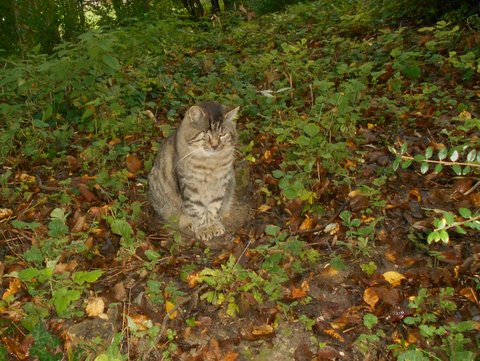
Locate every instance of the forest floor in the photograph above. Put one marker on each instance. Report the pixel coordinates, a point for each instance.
(359, 156)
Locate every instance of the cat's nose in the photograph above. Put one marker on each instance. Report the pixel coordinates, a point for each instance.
(214, 143)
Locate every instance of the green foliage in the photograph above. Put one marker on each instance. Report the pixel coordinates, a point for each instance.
(453, 335)
(45, 344)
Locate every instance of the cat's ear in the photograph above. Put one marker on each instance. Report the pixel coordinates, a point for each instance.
(232, 115)
(195, 113)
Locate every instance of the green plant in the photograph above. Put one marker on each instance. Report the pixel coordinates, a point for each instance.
(453, 336)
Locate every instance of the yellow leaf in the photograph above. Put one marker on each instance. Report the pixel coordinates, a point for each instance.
(307, 223)
(13, 287)
(465, 115)
(5, 213)
(264, 208)
(394, 278)
(334, 334)
(170, 308)
(370, 126)
(370, 297)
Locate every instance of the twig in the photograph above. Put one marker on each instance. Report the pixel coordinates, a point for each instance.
(442, 161)
(475, 186)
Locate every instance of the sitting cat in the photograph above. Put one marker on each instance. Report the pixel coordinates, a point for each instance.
(193, 179)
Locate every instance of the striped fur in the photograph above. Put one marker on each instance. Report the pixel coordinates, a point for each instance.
(192, 181)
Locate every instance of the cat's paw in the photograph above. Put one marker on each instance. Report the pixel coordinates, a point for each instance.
(210, 231)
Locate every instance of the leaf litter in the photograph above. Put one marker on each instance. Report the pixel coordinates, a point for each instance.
(334, 261)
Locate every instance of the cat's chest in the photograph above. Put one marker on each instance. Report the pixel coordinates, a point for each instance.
(208, 170)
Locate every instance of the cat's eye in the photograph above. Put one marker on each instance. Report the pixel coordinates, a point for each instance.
(199, 137)
(225, 137)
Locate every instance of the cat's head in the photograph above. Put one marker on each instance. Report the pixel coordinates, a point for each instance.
(210, 126)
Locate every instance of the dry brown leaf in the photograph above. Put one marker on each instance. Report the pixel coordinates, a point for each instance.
(334, 334)
(415, 193)
(262, 330)
(119, 292)
(86, 193)
(5, 213)
(298, 293)
(133, 163)
(80, 223)
(99, 212)
(114, 141)
(469, 293)
(474, 198)
(394, 278)
(192, 279)
(65, 267)
(95, 306)
(370, 297)
(141, 321)
(25, 178)
(307, 223)
(230, 356)
(13, 287)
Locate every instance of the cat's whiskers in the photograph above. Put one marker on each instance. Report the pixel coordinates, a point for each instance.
(187, 155)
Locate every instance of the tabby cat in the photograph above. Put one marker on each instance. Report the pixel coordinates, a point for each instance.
(193, 180)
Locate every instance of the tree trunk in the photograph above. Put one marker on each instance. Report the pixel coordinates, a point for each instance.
(229, 4)
(215, 6)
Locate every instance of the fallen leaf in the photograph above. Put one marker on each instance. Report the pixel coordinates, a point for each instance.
(370, 297)
(475, 199)
(469, 293)
(99, 212)
(86, 193)
(13, 287)
(264, 208)
(25, 178)
(334, 334)
(65, 267)
(95, 306)
(297, 293)
(133, 163)
(119, 292)
(230, 356)
(114, 141)
(142, 322)
(170, 308)
(464, 115)
(267, 154)
(5, 213)
(307, 223)
(262, 330)
(79, 224)
(415, 193)
(192, 279)
(394, 278)
(331, 228)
